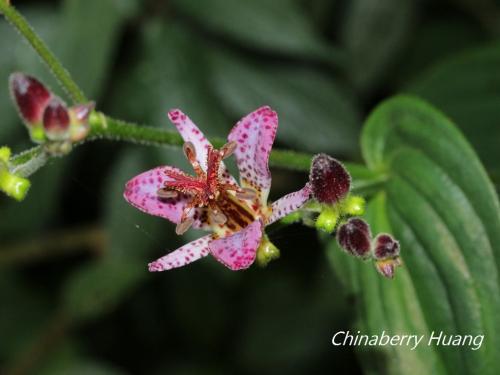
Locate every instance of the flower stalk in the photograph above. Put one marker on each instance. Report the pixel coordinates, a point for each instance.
(104, 127)
(22, 25)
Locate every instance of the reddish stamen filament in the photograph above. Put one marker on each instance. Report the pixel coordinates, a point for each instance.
(205, 188)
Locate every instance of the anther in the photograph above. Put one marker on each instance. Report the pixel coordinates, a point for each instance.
(189, 151)
(218, 217)
(246, 193)
(228, 149)
(183, 226)
(165, 193)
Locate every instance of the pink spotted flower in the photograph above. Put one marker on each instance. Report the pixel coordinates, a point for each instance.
(212, 200)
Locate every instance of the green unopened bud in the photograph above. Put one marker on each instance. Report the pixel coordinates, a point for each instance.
(37, 134)
(4, 154)
(266, 252)
(328, 218)
(354, 206)
(291, 218)
(14, 186)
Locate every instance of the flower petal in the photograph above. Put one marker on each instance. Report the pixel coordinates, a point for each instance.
(183, 255)
(289, 203)
(141, 192)
(255, 136)
(238, 250)
(190, 133)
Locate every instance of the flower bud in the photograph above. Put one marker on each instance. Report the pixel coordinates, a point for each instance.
(14, 186)
(329, 179)
(31, 98)
(387, 267)
(355, 237)
(291, 218)
(327, 219)
(56, 120)
(385, 246)
(354, 206)
(4, 155)
(79, 124)
(266, 252)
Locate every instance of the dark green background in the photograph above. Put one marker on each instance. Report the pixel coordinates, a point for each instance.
(75, 294)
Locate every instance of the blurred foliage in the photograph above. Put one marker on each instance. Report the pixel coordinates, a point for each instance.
(446, 214)
(324, 65)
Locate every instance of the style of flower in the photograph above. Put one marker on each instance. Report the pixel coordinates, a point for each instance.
(212, 200)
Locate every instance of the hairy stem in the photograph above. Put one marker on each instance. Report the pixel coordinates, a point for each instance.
(103, 127)
(55, 66)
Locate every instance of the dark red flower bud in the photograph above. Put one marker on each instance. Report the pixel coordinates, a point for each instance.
(329, 179)
(56, 120)
(385, 246)
(31, 97)
(355, 237)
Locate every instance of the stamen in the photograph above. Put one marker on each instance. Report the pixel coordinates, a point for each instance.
(166, 193)
(189, 151)
(246, 194)
(183, 226)
(218, 217)
(228, 149)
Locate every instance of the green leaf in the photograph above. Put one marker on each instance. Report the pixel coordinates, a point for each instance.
(465, 87)
(90, 30)
(279, 26)
(170, 73)
(373, 33)
(315, 111)
(440, 204)
(438, 40)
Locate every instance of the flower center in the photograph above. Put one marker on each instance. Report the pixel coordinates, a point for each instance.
(223, 199)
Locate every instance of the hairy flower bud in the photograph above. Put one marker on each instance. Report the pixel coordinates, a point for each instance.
(329, 179)
(14, 186)
(387, 267)
(354, 206)
(355, 237)
(79, 121)
(31, 98)
(385, 246)
(327, 219)
(56, 120)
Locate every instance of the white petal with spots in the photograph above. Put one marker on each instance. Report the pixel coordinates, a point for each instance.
(184, 255)
(255, 135)
(190, 133)
(289, 203)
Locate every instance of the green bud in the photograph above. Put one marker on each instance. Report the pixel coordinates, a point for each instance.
(291, 218)
(327, 219)
(354, 206)
(266, 252)
(37, 134)
(5, 154)
(14, 186)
